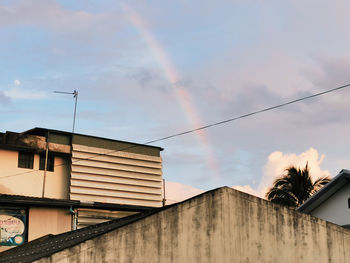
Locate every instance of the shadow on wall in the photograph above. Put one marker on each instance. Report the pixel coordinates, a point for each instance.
(5, 190)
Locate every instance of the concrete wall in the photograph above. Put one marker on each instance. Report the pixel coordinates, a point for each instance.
(44, 221)
(220, 226)
(30, 181)
(336, 208)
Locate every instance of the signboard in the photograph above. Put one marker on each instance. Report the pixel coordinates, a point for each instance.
(12, 226)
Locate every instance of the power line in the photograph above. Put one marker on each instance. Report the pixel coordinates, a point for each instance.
(250, 114)
(199, 128)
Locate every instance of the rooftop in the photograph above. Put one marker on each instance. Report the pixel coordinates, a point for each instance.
(326, 192)
(43, 131)
(52, 202)
(35, 139)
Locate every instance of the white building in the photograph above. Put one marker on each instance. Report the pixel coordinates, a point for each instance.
(332, 202)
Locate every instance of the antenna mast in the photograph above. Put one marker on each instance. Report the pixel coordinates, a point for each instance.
(75, 95)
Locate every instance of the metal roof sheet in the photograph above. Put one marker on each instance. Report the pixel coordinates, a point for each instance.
(19, 200)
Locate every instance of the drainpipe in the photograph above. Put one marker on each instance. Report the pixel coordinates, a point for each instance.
(46, 158)
(164, 200)
(75, 218)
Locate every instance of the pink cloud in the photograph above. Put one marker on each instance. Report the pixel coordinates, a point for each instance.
(176, 192)
(247, 189)
(278, 161)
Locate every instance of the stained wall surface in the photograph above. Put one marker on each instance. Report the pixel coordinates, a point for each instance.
(223, 225)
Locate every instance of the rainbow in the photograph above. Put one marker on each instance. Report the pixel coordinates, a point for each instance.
(183, 97)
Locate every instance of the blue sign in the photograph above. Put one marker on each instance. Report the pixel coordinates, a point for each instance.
(12, 226)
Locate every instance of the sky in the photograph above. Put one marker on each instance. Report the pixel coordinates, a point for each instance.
(145, 70)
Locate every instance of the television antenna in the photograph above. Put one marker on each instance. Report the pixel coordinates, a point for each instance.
(75, 95)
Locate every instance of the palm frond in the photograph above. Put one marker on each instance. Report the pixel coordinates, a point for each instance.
(295, 186)
(281, 196)
(319, 183)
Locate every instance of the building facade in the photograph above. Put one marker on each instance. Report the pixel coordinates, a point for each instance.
(50, 164)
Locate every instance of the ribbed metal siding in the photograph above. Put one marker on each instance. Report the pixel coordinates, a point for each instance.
(103, 175)
(87, 217)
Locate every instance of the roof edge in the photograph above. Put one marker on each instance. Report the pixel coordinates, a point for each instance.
(325, 192)
(97, 137)
(21, 200)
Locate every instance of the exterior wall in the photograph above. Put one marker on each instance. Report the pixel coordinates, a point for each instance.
(336, 208)
(30, 181)
(224, 225)
(104, 175)
(105, 143)
(44, 221)
(87, 217)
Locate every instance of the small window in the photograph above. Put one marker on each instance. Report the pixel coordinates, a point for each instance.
(25, 160)
(50, 162)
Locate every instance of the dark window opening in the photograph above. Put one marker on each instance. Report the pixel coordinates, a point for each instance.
(25, 160)
(50, 162)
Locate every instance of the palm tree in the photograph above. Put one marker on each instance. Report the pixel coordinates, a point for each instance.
(295, 187)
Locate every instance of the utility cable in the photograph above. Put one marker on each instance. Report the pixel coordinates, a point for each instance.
(199, 128)
(250, 114)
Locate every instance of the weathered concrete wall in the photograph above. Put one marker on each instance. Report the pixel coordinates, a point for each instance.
(220, 226)
(24, 140)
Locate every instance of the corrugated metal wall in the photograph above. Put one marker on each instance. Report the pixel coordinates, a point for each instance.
(103, 175)
(88, 217)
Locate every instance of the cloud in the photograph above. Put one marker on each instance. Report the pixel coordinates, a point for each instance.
(22, 94)
(151, 79)
(253, 98)
(4, 100)
(278, 161)
(226, 74)
(323, 73)
(329, 71)
(50, 14)
(247, 189)
(176, 192)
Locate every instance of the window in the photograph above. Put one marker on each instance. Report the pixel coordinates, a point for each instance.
(50, 162)
(25, 160)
